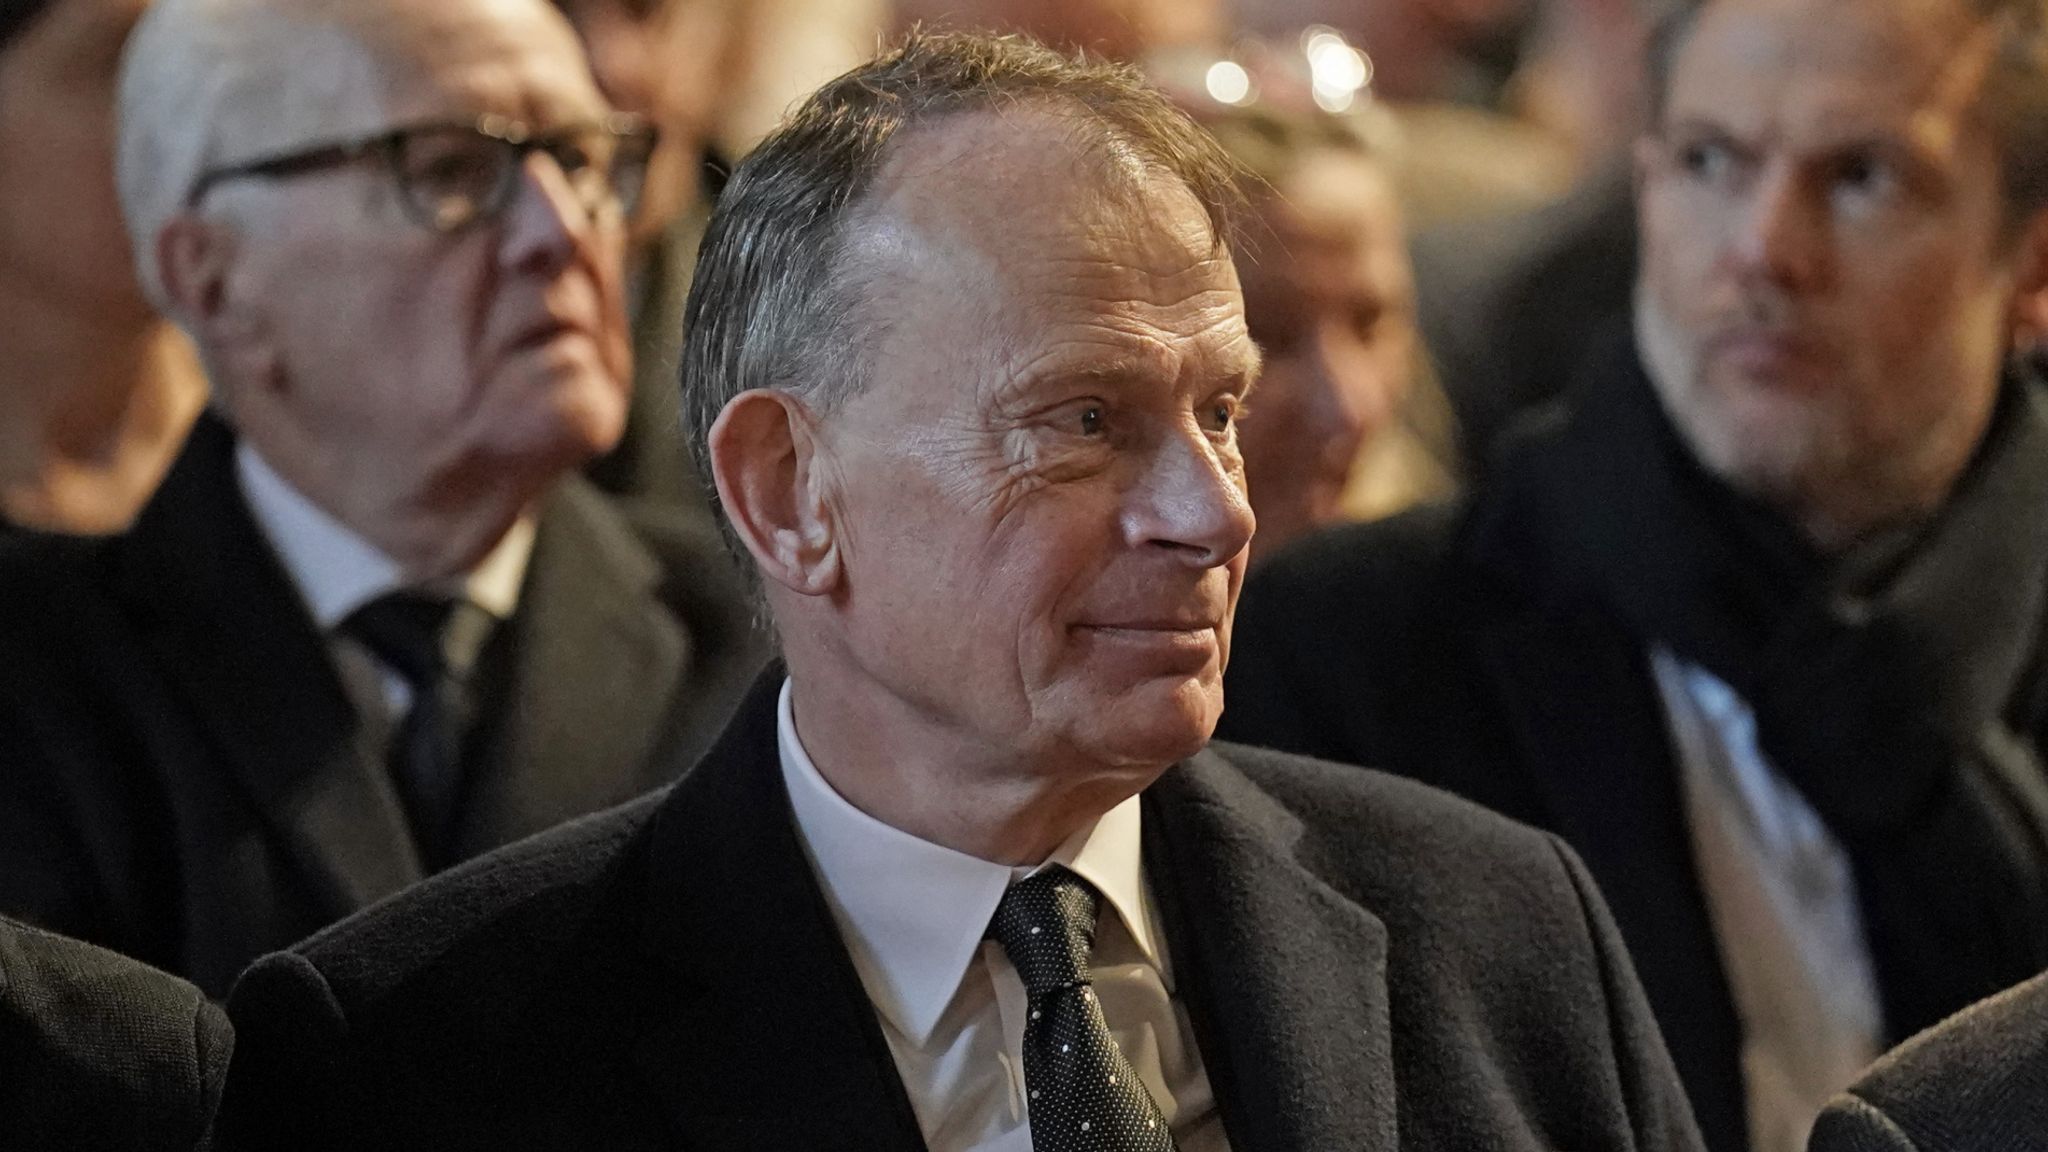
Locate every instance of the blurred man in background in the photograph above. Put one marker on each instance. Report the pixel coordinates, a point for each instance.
(1347, 424)
(671, 63)
(372, 624)
(96, 390)
(1758, 623)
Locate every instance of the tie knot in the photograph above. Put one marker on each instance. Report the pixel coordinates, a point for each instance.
(407, 631)
(1046, 923)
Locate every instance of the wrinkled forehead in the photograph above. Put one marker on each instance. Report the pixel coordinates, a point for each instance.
(310, 71)
(1017, 212)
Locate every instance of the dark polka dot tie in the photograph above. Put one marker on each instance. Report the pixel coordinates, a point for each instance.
(1083, 1093)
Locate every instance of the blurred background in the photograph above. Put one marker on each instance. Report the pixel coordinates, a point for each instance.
(1442, 220)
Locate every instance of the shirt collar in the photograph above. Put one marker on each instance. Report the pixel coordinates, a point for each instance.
(337, 571)
(914, 913)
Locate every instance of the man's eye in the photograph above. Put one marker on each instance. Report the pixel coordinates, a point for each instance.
(1091, 420)
(1865, 177)
(1224, 413)
(1707, 160)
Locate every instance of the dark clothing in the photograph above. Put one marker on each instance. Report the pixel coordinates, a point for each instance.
(188, 781)
(1509, 305)
(1500, 650)
(100, 1053)
(1367, 963)
(1976, 1083)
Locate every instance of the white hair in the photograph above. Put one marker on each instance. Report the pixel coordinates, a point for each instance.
(210, 83)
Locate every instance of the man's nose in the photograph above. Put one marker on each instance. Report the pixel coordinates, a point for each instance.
(1781, 236)
(546, 221)
(1191, 500)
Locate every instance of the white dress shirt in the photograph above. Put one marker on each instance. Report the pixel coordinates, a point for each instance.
(336, 571)
(1782, 896)
(913, 915)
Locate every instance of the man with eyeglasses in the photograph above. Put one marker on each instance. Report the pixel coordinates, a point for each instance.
(374, 623)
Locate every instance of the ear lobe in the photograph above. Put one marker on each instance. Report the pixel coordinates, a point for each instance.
(767, 461)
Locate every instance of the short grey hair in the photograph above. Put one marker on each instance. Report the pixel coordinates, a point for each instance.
(205, 83)
(773, 303)
(210, 83)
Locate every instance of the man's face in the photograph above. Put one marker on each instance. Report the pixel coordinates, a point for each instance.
(1330, 300)
(1043, 501)
(60, 222)
(1825, 294)
(408, 369)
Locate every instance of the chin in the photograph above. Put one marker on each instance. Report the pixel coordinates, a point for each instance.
(1157, 724)
(588, 412)
(1761, 442)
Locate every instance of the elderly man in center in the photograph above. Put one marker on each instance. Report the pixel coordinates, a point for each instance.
(372, 623)
(965, 356)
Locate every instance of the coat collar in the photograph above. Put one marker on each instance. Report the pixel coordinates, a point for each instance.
(759, 1037)
(220, 616)
(591, 668)
(1283, 976)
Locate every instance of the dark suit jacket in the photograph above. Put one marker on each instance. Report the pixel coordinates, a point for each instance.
(1459, 646)
(1978, 1082)
(1369, 965)
(188, 782)
(1405, 646)
(99, 1052)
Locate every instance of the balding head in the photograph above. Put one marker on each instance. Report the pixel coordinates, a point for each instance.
(211, 83)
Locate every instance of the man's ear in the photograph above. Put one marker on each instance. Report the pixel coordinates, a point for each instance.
(195, 260)
(193, 256)
(768, 462)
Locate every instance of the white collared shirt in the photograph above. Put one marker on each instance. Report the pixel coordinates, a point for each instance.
(336, 571)
(1782, 896)
(914, 914)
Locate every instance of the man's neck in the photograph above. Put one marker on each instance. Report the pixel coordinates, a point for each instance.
(92, 413)
(893, 764)
(338, 569)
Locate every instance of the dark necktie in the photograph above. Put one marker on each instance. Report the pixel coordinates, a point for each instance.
(410, 633)
(1083, 1092)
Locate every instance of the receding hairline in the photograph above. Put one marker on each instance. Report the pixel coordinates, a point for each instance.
(1103, 157)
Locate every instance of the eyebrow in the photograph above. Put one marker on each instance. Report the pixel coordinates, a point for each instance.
(1241, 370)
(1833, 138)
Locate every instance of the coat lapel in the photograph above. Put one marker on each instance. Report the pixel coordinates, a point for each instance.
(595, 661)
(759, 1035)
(1578, 700)
(229, 633)
(1284, 978)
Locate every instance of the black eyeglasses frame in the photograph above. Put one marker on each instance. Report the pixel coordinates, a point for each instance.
(636, 140)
